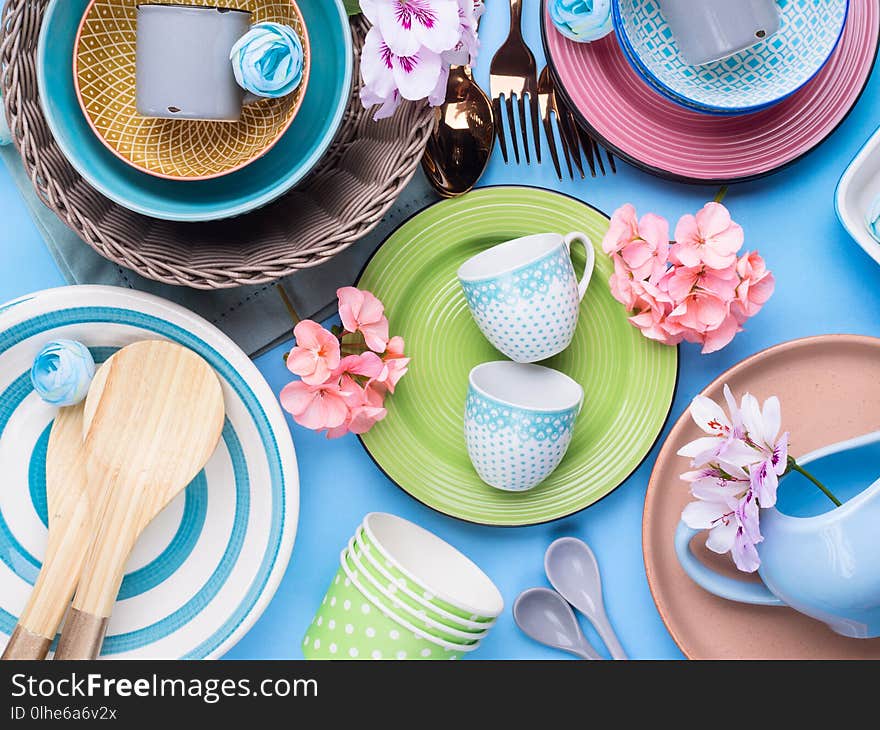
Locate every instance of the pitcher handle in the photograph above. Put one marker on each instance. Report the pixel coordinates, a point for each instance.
(590, 260)
(719, 585)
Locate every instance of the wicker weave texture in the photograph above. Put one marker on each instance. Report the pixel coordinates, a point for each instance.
(345, 197)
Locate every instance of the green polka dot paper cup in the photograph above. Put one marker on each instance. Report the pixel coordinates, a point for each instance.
(432, 568)
(388, 597)
(348, 625)
(519, 421)
(524, 294)
(415, 602)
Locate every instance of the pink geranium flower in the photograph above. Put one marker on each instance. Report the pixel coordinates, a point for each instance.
(755, 288)
(643, 245)
(316, 353)
(710, 238)
(695, 290)
(316, 407)
(395, 364)
(341, 395)
(361, 312)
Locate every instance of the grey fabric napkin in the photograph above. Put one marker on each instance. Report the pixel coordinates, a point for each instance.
(256, 317)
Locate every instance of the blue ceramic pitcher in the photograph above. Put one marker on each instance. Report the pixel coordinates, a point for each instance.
(826, 566)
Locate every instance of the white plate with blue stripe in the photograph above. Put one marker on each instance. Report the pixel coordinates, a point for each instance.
(208, 565)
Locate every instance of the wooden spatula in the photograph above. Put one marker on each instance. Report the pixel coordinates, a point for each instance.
(153, 418)
(69, 501)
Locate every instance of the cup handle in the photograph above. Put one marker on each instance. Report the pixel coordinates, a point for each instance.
(719, 585)
(590, 263)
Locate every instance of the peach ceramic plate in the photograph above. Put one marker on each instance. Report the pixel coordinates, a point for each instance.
(178, 149)
(830, 391)
(653, 133)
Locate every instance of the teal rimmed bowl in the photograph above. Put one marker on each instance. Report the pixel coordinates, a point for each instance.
(261, 182)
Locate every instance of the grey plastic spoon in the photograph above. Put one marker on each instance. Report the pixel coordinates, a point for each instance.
(544, 616)
(573, 571)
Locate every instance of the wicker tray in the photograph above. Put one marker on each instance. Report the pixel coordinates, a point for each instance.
(361, 176)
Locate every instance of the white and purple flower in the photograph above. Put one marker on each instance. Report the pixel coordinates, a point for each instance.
(737, 468)
(411, 46)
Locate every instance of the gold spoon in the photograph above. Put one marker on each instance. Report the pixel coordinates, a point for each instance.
(458, 149)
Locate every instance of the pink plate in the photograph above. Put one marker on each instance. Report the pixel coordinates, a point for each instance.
(829, 387)
(661, 137)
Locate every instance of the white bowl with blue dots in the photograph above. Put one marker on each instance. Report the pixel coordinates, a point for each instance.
(519, 421)
(525, 296)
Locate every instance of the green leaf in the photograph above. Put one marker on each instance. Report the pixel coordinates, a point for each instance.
(352, 6)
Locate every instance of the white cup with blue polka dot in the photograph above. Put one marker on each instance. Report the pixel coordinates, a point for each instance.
(519, 420)
(524, 294)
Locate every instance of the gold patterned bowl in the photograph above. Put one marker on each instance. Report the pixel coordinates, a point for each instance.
(178, 149)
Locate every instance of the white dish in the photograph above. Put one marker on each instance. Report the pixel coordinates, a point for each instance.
(205, 569)
(856, 191)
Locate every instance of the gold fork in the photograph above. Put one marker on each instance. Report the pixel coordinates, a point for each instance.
(574, 139)
(513, 73)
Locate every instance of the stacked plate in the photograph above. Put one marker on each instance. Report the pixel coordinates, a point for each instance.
(402, 593)
(609, 91)
(174, 169)
(331, 170)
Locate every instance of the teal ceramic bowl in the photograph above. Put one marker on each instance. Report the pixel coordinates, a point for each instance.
(261, 182)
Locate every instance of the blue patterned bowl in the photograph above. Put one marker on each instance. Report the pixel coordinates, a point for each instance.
(751, 80)
(261, 182)
(519, 421)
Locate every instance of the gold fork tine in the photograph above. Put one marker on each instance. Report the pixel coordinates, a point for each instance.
(545, 89)
(587, 146)
(569, 125)
(509, 103)
(521, 104)
(499, 126)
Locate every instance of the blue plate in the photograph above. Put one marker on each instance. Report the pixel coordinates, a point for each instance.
(747, 82)
(261, 182)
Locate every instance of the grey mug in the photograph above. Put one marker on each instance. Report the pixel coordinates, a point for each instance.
(182, 68)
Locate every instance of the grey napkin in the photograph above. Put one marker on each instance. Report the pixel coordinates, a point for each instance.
(256, 317)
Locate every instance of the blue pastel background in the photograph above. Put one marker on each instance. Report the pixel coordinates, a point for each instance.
(825, 284)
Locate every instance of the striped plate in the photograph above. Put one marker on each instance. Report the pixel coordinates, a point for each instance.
(205, 569)
(629, 381)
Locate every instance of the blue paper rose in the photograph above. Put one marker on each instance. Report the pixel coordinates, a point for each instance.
(268, 60)
(582, 20)
(62, 372)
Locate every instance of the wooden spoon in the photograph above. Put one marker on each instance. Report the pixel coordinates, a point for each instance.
(69, 497)
(153, 419)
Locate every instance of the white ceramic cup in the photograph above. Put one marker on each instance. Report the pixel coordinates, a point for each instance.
(434, 565)
(524, 294)
(519, 421)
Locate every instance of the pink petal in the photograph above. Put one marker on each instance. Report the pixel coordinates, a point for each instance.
(376, 334)
(350, 300)
(301, 361)
(295, 397)
(722, 336)
(327, 410)
(655, 229)
(687, 232)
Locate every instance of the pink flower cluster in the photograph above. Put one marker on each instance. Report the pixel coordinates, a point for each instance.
(695, 288)
(344, 394)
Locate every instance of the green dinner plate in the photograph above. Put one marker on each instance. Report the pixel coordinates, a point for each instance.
(628, 380)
